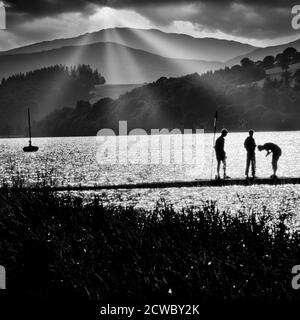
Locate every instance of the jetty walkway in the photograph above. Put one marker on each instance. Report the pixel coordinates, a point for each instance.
(176, 184)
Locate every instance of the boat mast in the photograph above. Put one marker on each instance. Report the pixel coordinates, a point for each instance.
(29, 126)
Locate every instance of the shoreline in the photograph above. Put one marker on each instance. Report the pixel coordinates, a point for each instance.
(95, 136)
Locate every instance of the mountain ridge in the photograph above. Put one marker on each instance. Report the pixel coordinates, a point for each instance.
(118, 63)
(178, 46)
(261, 53)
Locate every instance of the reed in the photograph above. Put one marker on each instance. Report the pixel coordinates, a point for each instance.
(52, 245)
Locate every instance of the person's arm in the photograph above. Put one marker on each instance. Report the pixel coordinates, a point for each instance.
(268, 152)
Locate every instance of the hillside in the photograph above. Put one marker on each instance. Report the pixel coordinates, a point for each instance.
(176, 102)
(112, 91)
(171, 45)
(191, 102)
(43, 91)
(260, 53)
(118, 64)
(187, 102)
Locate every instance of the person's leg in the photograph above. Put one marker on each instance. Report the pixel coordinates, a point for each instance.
(253, 165)
(275, 163)
(224, 167)
(218, 167)
(247, 165)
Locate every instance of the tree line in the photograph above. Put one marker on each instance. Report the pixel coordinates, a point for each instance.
(244, 96)
(43, 91)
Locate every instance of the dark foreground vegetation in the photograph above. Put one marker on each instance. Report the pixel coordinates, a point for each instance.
(57, 246)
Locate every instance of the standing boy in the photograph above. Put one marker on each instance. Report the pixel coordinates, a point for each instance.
(250, 146)
(220, 153)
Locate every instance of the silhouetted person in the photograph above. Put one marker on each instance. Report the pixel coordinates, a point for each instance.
(276, 151)
(250, 146)
(220, 153)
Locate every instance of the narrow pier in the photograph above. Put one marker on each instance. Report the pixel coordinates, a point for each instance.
(176, 184)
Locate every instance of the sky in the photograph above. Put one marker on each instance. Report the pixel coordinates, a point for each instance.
(260, 23)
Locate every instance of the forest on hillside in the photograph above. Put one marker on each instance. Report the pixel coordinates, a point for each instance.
(191, 101)
(43, 91)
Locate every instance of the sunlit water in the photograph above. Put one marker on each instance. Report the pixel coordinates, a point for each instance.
(76, 161)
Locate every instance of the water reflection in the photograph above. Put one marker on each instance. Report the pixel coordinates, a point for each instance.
(72, 161)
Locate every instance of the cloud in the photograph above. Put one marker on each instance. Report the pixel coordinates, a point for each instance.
(44, 8)
(67, 25)
(52, 7)
(70, 24)
(240, 18)
(255, 19)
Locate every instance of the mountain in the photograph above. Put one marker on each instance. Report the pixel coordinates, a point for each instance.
(118, 64)
(171, 45)
(261, 53)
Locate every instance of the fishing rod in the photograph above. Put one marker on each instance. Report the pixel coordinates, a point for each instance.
(214, 140)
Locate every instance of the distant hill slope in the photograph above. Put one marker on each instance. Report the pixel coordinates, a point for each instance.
(186, 102)
(277, 72)
(171, 45)
(112, 91)
(44, 91)
(117, 63)
(261, 53)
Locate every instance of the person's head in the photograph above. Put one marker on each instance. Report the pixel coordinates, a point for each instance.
(224, 132)
(251, 133)
(260, 148)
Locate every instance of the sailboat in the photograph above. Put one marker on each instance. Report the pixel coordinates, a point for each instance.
(30, 148)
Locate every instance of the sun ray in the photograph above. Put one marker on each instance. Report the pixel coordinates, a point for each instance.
(128, 65)
(163, 48)
(73, 61)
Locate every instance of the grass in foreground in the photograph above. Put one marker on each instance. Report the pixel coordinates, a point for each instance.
(54, 245)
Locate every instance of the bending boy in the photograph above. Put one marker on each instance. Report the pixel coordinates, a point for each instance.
(276, 153)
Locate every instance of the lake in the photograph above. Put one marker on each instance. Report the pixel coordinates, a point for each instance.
(80, 161)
